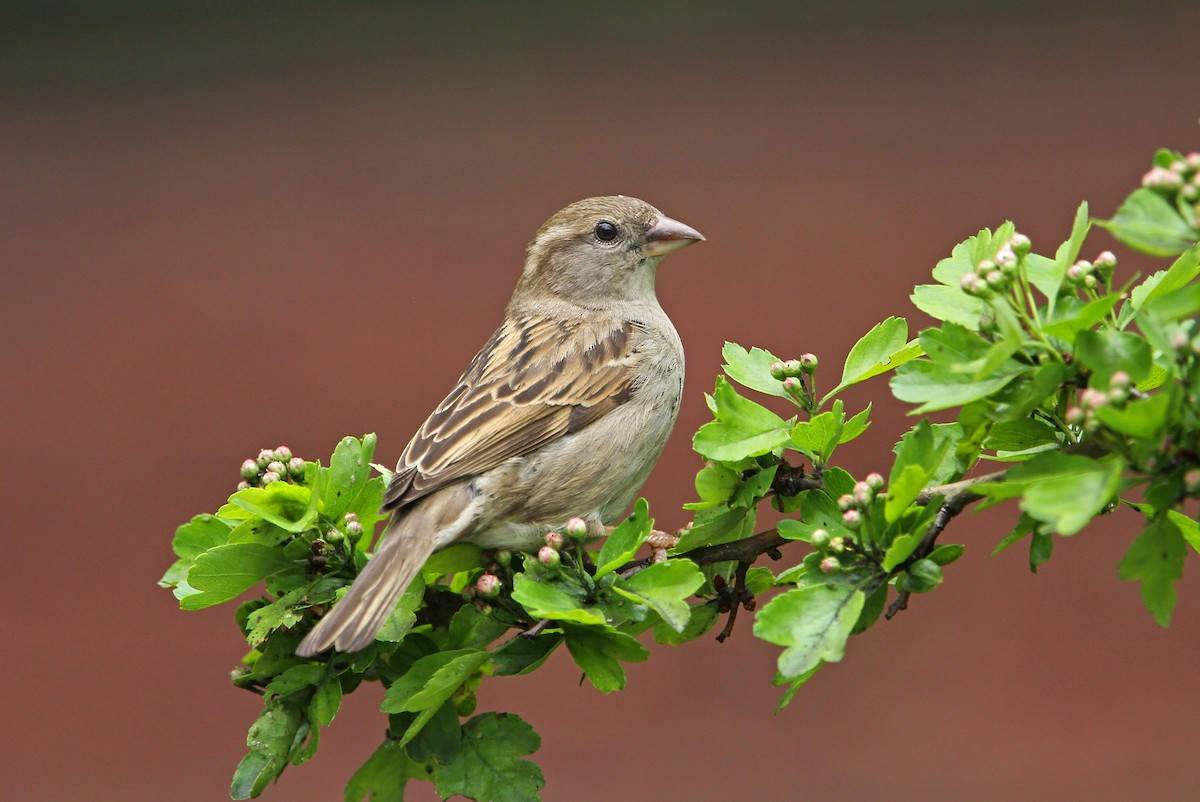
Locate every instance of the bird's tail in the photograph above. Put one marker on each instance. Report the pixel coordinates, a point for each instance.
(353, 622)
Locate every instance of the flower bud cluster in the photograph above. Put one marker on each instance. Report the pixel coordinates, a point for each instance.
(784, 369)
(1091, 274)
(1181, 176)
(271, 465)
(996, 274)
(1120, 386)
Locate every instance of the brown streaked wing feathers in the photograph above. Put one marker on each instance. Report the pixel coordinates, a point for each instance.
(533, 381)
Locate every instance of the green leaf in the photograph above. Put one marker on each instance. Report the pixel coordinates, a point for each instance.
(348, 473)
(624, 541)
(700, 620)
(440, 739)
(900, 550)
(326, 702)
(1041, 547)
(470, 628)
(794, 685)
(1105, 351)
(1156, 560)
(715, 484)
(1179, 275)
(881, 349)
(715, 526)
(296, 678)
(818, 437)
(944, 555)
(283, 612)
(1183, 303)
(191, 540)
(1143, 418)
(598, 653)
(400, 622)
(1147, 222)
(271, 739)
(919, 454)
(948, 304)
(1024, 526)
(224, 572)
(427, 685)
(383, 777)
(459, 557)
(522, 655)
(198, 536)
(1188, 527)
(812, 623)
(542, 600)
(742, 428)
(489, 768)
(1021, 438)
(665, 588)
(1063, 490)
(1081, 318)
(283, 504)
(855, 426)
(942, 380)
(752, 369)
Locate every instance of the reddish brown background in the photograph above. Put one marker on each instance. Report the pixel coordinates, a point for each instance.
(223, 229)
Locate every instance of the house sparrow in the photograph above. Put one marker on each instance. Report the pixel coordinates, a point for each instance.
(562, 413)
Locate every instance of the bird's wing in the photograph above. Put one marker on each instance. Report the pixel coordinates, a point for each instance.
(535, 380)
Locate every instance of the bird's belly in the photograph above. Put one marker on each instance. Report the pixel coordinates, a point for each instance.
(594, 474)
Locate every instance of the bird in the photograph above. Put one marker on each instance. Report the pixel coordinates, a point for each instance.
(561, 414)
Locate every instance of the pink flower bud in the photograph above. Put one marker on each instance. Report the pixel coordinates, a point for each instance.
(808, 362)
(1191, 481)
(875, 481)
(819, 539)
(1193, 160)
(1120, 379)
(792, 367)
(778, 370)
(852, 519)
(1106, 259)
(295, 467)
(554, 540)
(277, 468)
(577, 528)
(845, 502)
(996, 280)
(1074, 274)
(548, 556)
(264, 457)
(249, 469)
(1020, 244)
(793, 386)
(488, 585)
(830, 565)
(1090, 282)
(354, 530)
(243, 485)
(269, 477)
(1179, 341)
(1074, 416)
(283, 453)
(1006, 258)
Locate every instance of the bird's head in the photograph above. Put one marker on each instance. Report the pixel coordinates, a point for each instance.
(601, 249)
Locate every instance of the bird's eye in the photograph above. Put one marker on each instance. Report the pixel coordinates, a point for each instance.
(605, 231)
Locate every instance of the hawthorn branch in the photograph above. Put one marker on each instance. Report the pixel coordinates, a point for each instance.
(955, 498)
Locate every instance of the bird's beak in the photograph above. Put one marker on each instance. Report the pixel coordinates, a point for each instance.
(669, 235)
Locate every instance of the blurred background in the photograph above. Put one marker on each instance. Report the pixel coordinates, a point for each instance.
(228, 226)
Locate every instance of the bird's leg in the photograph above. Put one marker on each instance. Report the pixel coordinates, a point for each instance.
(658, 541)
